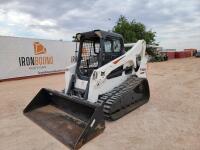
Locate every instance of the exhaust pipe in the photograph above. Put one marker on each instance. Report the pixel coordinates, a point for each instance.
(70, 120)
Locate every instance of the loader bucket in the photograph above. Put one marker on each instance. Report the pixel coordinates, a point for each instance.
(70, 120)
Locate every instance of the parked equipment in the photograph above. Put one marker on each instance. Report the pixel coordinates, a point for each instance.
(104, 83)
(197, 53)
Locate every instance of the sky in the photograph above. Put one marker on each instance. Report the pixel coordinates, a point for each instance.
(176, 22)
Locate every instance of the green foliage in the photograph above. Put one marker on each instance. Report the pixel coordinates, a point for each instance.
(133, 31)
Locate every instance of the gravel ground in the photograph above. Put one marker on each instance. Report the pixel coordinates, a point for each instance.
(171, 119)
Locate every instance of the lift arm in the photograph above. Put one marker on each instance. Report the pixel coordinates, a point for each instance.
(135, 58)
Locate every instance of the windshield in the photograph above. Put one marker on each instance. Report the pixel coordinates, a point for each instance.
(89, 56)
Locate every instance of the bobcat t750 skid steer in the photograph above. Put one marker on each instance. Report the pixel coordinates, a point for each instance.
(105, 83)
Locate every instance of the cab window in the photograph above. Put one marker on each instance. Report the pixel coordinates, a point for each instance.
(116, 45)
(108, 46)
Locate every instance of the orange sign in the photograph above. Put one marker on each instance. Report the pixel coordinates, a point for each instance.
(39, 48)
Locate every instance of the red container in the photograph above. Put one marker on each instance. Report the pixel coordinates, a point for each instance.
(180, 54)
(171, 55)
(188, 54)
(192, 50)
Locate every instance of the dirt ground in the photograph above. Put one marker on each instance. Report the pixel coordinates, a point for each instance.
(170, 121)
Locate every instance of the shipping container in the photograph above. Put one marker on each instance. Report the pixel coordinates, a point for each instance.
(24, 57)
(179, 54)
(171, 55)
(192, 51)
(188, 53)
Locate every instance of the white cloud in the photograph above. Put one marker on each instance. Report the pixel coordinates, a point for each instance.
(6, 31)
(176, 22)
(19, 18)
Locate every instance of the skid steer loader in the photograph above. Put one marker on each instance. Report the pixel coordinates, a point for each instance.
(104, 83)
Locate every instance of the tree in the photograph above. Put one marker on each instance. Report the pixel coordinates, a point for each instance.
(133, 31)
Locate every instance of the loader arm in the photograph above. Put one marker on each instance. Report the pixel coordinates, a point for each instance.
(99, 82)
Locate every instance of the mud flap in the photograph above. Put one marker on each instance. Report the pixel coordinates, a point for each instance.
(70, 120)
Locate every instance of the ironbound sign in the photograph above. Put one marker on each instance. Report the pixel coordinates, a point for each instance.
(22, 57)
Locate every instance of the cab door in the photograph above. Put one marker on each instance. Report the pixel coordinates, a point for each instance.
(113, 48)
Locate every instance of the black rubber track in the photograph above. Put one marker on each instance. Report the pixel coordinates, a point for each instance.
(123, 99)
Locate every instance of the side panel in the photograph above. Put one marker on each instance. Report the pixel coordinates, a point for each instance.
(99, 83)
(106, 86)
(70, 70)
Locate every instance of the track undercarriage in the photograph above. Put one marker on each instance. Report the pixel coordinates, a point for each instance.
(131, 94)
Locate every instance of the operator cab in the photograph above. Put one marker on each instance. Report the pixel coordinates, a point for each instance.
(96, 49)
